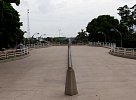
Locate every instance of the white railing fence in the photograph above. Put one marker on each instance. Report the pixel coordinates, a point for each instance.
(13, 53)
(124, 52)
(21, 52)
(102, 44)
(38, 45)
(117, 51)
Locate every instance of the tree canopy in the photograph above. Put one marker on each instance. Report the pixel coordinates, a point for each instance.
(101, 26)
(81, 37)
(124, 30)
(17, 2)
(10, 32)
(128, 17)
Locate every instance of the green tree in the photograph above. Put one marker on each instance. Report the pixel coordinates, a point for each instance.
(13, 1)
(128, 17)
(10, 32)
(82, 37)
(130, 41)
(103, 24)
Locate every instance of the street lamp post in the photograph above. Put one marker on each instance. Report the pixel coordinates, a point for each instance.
(114, 29)
(87, 36)
(41, 36)
(33, 36)
(104, 35)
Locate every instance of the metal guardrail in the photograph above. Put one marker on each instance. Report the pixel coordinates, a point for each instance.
(13, 53)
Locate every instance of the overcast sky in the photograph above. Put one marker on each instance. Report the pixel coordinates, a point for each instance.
(48, 16)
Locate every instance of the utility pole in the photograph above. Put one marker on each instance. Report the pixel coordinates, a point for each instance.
(28, 27)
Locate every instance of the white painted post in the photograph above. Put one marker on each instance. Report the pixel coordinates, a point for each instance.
(103, 44)
(99, 43)
(27, 51)
(22, 52)
(106, 44)
(133, 52)
(118, 50)
(6, 54)
(114, 50)
(110, 45)
(14, 53)
(125, 51)
(115, 45)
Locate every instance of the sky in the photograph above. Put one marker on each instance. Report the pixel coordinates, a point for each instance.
(64, 17)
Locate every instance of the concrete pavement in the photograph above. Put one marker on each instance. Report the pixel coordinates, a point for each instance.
(41, 76)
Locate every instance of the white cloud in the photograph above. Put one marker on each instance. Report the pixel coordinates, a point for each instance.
(47, 16)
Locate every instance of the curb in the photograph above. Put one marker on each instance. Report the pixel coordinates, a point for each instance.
(123, 56)
(13, 59)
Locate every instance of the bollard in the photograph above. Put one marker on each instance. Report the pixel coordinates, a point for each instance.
(70, 85)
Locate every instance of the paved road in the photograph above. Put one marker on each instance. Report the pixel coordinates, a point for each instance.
(41, 76)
